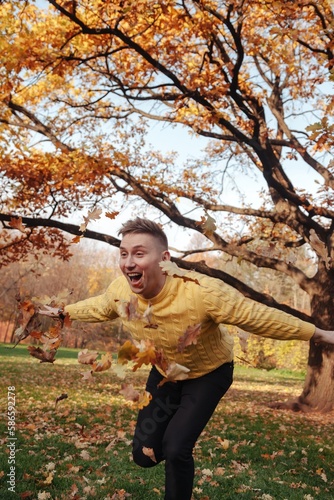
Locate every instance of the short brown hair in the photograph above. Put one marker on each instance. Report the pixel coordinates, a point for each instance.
(145, 226)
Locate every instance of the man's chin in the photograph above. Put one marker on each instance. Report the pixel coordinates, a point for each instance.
(136, 287)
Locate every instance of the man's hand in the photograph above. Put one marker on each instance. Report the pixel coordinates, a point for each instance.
(323, 336)
(52, 312)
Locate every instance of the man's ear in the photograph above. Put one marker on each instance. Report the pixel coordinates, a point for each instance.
(166, 255)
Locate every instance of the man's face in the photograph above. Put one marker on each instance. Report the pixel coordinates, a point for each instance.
(140, 254)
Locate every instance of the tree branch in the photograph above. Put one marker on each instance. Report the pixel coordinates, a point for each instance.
(200, 267)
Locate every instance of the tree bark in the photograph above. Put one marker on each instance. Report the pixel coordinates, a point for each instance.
(318, 390)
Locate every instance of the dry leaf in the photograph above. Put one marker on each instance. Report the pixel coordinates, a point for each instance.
(243, 339)
(175, 372)
(208, 224)
(111, 215)
(61, 397)
(16, 223)
(76, 239)
(127, 352)
(189, 337)
(128, 310)
(149, 452)
(94, 214)
(129, 392)
(103, 364)
(43, 356)
(87, 358)
(173, 270)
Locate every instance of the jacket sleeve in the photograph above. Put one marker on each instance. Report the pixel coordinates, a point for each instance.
(94, 309)
(226, 305)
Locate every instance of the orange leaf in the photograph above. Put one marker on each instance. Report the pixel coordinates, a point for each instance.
(189, 337)
(127, 352)
(16, 223)
(145, 357)
(103, 364)
(111, 215)
(76, 239)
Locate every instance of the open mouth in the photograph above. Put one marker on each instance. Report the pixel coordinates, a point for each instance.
(134, 277)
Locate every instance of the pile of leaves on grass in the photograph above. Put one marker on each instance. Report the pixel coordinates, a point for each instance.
(73, 439)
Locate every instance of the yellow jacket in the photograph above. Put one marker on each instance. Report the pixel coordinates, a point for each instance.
(204, 300)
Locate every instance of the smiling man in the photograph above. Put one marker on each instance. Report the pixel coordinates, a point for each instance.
(179, 411)
(140, 256)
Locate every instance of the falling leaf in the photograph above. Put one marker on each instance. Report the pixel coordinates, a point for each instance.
(147, 317)
(61, 397)
(149, 452)
(243, 339)
(111, 215)
(86, 357)
(145, 356)
(87, 375)
(128, 309)
(76, 239)
(208, 225)
(173, 270)
(129, 392)
(43, 356)
(103, 364)
(175, 372)
(50, 343)
(27, 311)
(127, 352)
(119, 370)
(143, 400)
(189, 337)
(161, 360)
(92, 215)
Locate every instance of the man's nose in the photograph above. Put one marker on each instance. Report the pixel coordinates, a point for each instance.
(129, 263)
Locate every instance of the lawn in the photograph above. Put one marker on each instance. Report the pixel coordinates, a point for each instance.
(79, 447)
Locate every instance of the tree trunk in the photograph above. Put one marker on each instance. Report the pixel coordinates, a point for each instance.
(318, 391)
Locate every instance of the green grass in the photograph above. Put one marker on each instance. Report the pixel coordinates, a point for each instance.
(80, 447)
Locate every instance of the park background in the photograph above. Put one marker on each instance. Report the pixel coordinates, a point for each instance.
(214, 119)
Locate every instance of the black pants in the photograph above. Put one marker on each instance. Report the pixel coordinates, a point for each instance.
(172, 423)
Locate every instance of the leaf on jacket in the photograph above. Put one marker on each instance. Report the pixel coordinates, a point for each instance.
(189, 337)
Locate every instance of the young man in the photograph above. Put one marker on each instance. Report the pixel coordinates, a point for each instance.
(178, 411)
